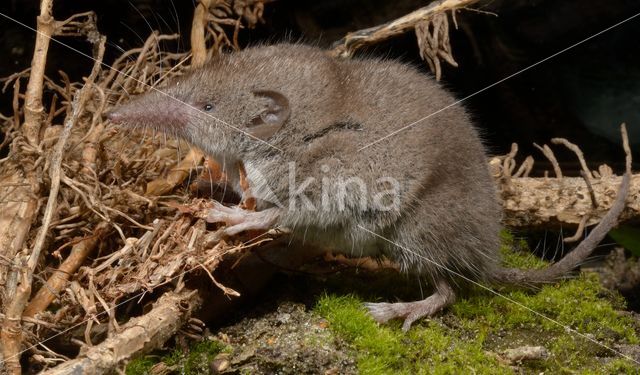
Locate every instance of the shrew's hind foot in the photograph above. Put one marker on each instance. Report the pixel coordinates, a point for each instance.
(412, 311)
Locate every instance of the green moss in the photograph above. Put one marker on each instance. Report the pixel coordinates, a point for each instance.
(140, 366)
(173, 358)
(482, 323)
(200, 355)
(619, 366)
(196, 361)
(387, 350)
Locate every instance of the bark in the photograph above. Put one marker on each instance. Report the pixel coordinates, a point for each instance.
(139, 335)
(552, 203)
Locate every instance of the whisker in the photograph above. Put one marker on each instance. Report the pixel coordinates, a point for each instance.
(176, 19)
(133, 31)
(120, 49)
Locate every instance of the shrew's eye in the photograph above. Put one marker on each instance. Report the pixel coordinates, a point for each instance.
(207, 107)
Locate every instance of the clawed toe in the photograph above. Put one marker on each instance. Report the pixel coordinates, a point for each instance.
(222, 214)
(239, 220)
(412, 311)
(383, 312)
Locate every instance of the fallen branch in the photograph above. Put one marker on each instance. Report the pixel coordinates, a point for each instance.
(138, 335)
(430, 24)
(198, 27)
(551, 203)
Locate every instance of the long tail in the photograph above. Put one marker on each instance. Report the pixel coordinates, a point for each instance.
(561, 268)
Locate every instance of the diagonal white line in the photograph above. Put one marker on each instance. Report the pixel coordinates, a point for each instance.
(499, 82)
(567, 328)
(137, 80)
(373, 233)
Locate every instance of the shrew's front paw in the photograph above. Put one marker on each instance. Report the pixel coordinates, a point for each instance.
(239, 220)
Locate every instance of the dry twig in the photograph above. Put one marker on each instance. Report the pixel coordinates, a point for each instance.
(534, 202)
(434, 44)
(58, 279)
(525, 167)
(579, 231)
(592, 195)
(577, 151)
(431, 26)
(546, 151)
(137, 336)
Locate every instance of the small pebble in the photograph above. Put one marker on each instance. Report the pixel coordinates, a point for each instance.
(219, 364)
(526, 353)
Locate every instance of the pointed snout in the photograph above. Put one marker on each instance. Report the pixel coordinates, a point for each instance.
(151, 110)
(114, 116)
(128, 115)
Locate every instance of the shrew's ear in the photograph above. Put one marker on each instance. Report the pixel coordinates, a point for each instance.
(271, 117)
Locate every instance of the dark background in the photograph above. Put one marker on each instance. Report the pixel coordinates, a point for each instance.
(583, 94)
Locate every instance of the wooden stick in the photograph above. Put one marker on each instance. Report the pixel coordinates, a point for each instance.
(23, 214)
(139, 335)
(534, 202)
(546, 151)
(58, 280)
(198, 25)
(33, 109)
(579, 231)
(355, 40)
(576, 150)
